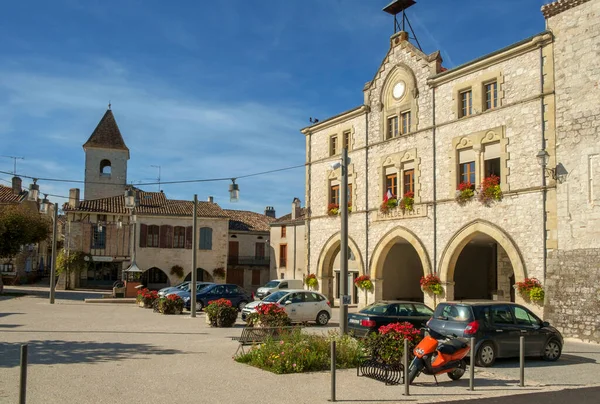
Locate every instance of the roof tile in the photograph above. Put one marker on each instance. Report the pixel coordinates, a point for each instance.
(244, 220)
(107, 134)
(8, 196)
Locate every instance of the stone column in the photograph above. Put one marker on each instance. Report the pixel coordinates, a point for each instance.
(504, 272)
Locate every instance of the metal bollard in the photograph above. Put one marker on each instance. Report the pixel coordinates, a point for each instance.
(472, 365)
(333, 357)
(522, 361)
(23, 379)
(406, 378)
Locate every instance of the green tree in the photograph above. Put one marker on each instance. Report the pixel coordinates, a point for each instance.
(72, 262)
(20, 226)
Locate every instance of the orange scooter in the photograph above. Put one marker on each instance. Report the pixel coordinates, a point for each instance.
(434, 357)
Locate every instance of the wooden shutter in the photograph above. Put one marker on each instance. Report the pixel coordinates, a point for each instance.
(189, 232)
(143, 235)
(166, 236)
(259, 251)
(206, 238)
(256, 276)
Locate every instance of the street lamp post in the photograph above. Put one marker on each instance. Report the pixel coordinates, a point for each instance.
(130, 203)
(194, 271)
(44, 209)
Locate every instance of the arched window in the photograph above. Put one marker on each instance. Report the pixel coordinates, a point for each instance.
(105, 168)
(205, 238)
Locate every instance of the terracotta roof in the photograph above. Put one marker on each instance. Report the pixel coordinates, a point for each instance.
(151, 203)
(8, 196)
(552, 9)
(287, 219)
(107, 134)
(244, 220)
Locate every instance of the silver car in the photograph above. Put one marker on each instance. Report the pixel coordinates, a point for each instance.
(165, 291)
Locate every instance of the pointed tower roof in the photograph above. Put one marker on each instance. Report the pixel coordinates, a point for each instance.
(107, 134)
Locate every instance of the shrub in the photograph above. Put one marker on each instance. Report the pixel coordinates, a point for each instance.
(364, 282)
(269, 315)
(531, 288)
(221, 313)
(387, 345)
(407, 202)
(172, 304)
(297, 353)
(311, 281)
(464, 193)
(431, 283)
(490, 190)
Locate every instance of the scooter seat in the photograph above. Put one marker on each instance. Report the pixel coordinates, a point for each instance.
(451, 346)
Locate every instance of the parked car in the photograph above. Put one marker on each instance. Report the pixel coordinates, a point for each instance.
(185, 292)
(238, 296)
(375, 315)
(165, 291)
(300, 305)
(278, 284)
(497, 327)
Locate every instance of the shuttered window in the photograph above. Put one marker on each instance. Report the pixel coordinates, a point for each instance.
(153, 232)
(189, 232)
(143, 234)
(166, 236)
(205, 238)
(179, 237)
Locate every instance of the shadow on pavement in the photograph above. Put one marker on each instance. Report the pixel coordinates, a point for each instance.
(8, 314)
(564, 360)
(65, 352)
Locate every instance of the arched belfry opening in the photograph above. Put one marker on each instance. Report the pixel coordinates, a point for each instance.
(105, 168)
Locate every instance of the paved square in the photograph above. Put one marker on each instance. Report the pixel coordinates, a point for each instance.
(119, 353)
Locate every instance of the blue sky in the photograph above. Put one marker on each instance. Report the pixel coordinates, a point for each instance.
(209, 89)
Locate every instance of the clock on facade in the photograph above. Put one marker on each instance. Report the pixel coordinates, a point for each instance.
(399, 89)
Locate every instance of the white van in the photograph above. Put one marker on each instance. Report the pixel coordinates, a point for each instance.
(278, 284)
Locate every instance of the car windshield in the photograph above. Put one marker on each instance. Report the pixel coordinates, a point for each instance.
(183, 286)
(376, 308)
(272, 284)
(453, 312)
(272, 298)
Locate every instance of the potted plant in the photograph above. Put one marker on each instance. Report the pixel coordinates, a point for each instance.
(364, 282)
(388, 204)
(333, 209)
(531, 289)
(464, 192)
(219, 272)
(221, 313)
(387, 345)
(145, 298)
(311, 281)
(268, 315)
(407, 202)
(490, 190)
(172, 304)
(432, 284)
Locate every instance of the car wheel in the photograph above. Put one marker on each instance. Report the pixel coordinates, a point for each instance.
(322, 318)
(486, 356)
(241, 305)
(552, 351)
(459, 371)
(199, 305)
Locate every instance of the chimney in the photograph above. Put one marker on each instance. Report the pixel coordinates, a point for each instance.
(211, 199)
(270, 211)
(295, 208)
(73, 197)
(16, 185)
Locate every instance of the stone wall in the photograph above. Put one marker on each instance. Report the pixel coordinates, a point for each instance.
(572, 294)
(102, 186)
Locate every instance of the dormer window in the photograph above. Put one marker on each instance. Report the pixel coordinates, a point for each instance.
(105, 168)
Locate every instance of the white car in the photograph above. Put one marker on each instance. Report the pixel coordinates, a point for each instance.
(300, 305)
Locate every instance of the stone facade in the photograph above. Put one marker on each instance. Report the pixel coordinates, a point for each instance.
(572, 293)
(511, 99)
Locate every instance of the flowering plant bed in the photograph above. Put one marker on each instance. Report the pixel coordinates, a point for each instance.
(387, 345)
(145, 297)
(269, 315)
(387, 205)
(221, 313)
(532, 289)
(296, 352)
(364, 282)
(432, 284)
(333, 209)
(464, 193)
(408, 201)
(490, 190)
(311, 281)
(171, 304)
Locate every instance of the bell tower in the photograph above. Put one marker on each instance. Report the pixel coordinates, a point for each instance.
(106, 158)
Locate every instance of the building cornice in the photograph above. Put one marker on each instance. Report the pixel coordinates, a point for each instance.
(500, 55)
(552, 9)
(334, 120)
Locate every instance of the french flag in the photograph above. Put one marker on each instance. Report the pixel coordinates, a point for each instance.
(388, 196)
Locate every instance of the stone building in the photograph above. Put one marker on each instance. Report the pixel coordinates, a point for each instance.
(424, 130)
(288, 240)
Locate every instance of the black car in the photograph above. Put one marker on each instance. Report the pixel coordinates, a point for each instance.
(385, 312)
(238, 296)
(497, 327)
